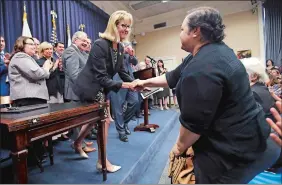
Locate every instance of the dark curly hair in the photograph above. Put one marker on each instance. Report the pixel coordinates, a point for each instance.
(209, 21)
(270, 61)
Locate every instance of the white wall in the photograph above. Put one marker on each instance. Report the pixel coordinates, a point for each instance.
(242, 32)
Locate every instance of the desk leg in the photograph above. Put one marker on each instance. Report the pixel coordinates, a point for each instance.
(19, 156)
(50, 151)
(20, 166)
(102, 148)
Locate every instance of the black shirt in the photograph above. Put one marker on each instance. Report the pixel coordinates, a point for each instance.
(54, 82)
(217, 103)
(264, 98)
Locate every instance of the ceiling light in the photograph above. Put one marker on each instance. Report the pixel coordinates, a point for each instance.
(164, 1)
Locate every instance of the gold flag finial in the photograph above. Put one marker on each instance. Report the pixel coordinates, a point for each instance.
(68, 28)
(81, 27)
(24, 13)
(54, 15)
(24, 6)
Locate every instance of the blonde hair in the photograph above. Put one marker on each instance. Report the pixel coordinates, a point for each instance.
(42, 47)
(255, 67)
(111, 32)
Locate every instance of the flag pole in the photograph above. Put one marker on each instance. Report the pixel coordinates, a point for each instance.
(26, 31)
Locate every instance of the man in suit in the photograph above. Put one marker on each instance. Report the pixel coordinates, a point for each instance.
(74, 60)
(4, 62)
(125, 102)
(59, 48)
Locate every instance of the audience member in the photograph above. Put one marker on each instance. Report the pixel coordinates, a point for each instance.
(27, 78)
(125, 102)
(54, 86)
(162, 96)
(4, 83)
(59, 48)
(36, 43)
(257, 78)
(276, 126)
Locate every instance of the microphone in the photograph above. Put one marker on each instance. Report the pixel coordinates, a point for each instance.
(152, 60)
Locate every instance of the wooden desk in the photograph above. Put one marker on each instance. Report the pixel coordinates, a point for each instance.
(27, 127)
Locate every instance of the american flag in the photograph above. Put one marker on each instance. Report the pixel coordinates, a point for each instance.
(53, 39)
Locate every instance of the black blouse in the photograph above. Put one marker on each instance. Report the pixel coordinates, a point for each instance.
(216, 102)
(54, 82)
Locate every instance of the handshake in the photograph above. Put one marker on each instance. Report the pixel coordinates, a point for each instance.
(136, 85)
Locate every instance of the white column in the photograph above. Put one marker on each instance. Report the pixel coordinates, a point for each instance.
(261, 32)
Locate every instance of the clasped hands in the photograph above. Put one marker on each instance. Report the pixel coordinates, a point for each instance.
(137, 85)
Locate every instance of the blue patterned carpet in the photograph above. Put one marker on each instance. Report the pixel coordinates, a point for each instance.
(267, 178)
(143, 158)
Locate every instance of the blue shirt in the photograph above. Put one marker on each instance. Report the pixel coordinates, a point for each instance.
(4, 85)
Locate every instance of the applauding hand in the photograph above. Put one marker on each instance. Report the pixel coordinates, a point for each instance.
(277, 127)
(47, 65)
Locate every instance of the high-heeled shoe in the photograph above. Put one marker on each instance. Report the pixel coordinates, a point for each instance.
(90, 143)
(80, 152)
(88, 149)
(113, 170)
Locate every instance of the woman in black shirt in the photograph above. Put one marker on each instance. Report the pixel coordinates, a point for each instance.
(219, 115)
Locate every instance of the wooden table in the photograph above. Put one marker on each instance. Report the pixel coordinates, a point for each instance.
(26, 127)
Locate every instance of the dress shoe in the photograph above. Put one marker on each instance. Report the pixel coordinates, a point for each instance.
(88, 143)
(79, 151)
(88, 149)
(123, 137)
(112, 170)
(127, 131)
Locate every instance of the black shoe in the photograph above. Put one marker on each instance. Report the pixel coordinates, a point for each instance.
(127, 131)
(123, 137)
